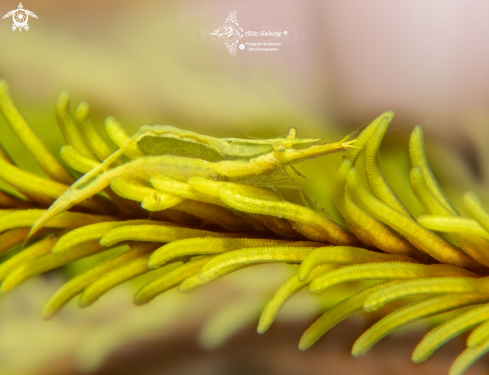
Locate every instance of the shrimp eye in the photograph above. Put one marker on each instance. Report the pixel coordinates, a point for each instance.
(280, 147)
(291, 133)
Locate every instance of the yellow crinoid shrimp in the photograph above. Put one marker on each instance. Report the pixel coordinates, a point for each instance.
(161, 154)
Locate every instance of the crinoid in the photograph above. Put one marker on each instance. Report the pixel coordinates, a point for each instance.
(184, 205)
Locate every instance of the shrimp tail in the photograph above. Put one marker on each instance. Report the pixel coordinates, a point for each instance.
(349, 143)
(63, 203)
(86, 186)
(83, 189)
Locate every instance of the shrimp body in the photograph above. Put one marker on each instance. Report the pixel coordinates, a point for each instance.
(192, 155)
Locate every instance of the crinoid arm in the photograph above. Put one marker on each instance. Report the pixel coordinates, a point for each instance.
(186, 210)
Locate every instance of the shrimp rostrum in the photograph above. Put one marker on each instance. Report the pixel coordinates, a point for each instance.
(160, 156)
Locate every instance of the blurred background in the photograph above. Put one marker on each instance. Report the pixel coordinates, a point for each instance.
(146, 62)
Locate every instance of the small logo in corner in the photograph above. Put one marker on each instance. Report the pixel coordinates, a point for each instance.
(20, 17)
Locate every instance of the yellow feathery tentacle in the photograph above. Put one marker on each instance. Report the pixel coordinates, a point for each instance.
(48, 262)
(467, 358)
(453, 225)
(338, 313)
(419, 159)
(184, 190)
(91, 136)
(411, 313)
(448, 330)
(95, 232)
(151, 199)
(115, 277)
(459, 285)
(195, 281)
(376, 179)
(119, 136)
(275, 254)
(424, 194)
(365, 227)
(385, 271)
(37, 189)
(80, 282)
(11, 238)
(353, 215)
(40, 247)
(76, 160)
(21, 128)
(331, 231)
(45, 191)
(478, 335)
(71, 133)
(420, 237)
(156, 233)
(26, 218)
(473, 205)
(345, 255)
(475, 247)
(209, 246)
(168, 280)
(284, 292)
(181, 189)
(277, 225)
(352, 154)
